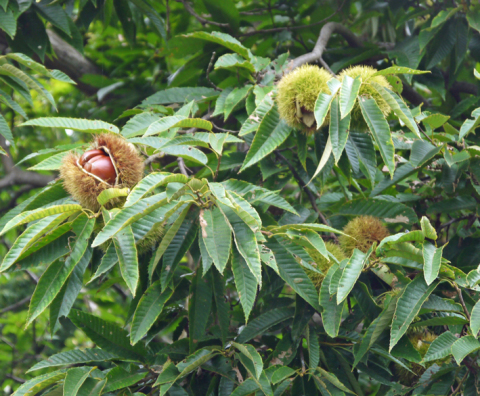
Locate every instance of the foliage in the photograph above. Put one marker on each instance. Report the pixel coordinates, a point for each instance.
(221, 272)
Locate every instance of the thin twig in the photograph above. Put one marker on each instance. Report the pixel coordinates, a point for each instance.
(325, 33)
(460, 383)
(18, 304)
(459, 293)
(281, 29)
(15, 378)
(222, 129)
(309, 192)
(200, 19)
(209, 69)
(181, 166)
(448, 223)
(218, 168)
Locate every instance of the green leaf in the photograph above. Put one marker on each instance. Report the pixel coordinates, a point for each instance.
(77, 124)
(234, 98)
(322, 104)
(54, 162)
(223, 39)
(35, 385)
(408, 306)
(376, 328)
(432, 257)
(126, 250)
(272, 132)
(194, 361)
(435, 120)
(264, 322)
(252, 123)
(177, 121)
(245, 281)
(331, 313)
(292, 273)
(148, 310)
(108, 336)
(253, 362)
(75, 378)
(464, 347)
(28, 237)
(233, 62)
(155, 19)
(217, 141)
(180, 95)
(63, 302)
(109, 260)
(402, 172)
(399, 108)
(222, 307)
(131, 214)
(8, 23)
(452, 205)
(186, 152)
(199, 309)
(111, 193)
(179, 246)
(348, 94)
(245, 241)
(380, 130)
(118, 378)
(440, 347)
(151, 182)
(217, 236)
(361, 154)
(332, 378)
(339, 128)
(313, 347)
(32, 215)
(246, 388)
(475, 320)
(75, 356)
(469, 125)
(6, 132)
(325, 157)
(352, 272)
(282, 373)
(55, 14)
(139, 124)
(422, 152)
(56, 275)
(399, 70)
(38, 67)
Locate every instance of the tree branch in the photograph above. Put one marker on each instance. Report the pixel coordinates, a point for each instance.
(325, 33)
(18, 304)
(15, 176)
(281, 29)
(68, 60)
(200, 19)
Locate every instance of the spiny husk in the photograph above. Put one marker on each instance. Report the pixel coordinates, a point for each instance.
(322, 263)
(155, 234)
(366, 90)
(362, 232)
(85, 188)
(299, 90)
(421, 341)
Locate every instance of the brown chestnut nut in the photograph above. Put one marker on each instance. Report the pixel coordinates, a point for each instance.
(88, 155)
(98, 163)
